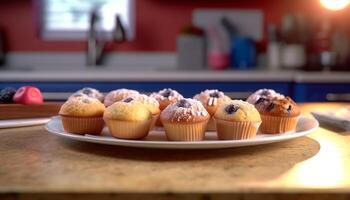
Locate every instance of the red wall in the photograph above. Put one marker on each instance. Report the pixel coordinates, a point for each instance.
(157, 22)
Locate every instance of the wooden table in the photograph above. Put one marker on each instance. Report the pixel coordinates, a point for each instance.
(35, 163)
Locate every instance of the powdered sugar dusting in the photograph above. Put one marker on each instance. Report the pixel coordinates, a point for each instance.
(118, 95)
(91, 92)
(167, 93)
(264, 93)
(211, 95)
(144, 99)
(178, 113)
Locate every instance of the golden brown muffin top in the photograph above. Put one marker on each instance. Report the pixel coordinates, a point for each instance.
(211, 99)
(277, 106)
(82, 106)
(166, 96)
(237, 110)
(185, 111)
(118, 95)
(127, 111)
(151, 103)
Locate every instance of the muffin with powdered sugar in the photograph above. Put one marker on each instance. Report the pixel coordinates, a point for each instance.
(211, 100)
(185, 120)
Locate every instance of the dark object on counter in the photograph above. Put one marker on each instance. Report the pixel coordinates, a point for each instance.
(330, 48)
(229, 27)
(6, 95)
(191, 30)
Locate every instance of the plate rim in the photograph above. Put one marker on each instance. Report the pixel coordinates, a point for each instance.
(204, 144)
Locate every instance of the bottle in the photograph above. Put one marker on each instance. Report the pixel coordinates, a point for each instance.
(273, 49)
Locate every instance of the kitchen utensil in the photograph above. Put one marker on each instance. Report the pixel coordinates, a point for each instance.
(339, 118)
(229, 27)
(157, 138)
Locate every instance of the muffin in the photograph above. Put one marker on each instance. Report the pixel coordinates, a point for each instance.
(90, 92)
(185, 120)
(237, 120)
(279, 114)
(151, 104)
(127, 120)
(82, 115)
(211, 100)
(262, 93)
(164, 98)
(118, 95)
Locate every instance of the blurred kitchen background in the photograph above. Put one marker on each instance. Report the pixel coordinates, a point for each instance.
(298, 47)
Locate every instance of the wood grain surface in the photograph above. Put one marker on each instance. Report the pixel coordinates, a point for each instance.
(19, 111)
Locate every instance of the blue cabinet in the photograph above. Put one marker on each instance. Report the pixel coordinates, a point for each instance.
(301, 92)
(309, 92)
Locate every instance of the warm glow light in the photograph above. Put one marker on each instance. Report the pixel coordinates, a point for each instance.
(334, 4)
(327, 169)
(319, 172)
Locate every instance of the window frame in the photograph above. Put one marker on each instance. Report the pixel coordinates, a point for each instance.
(66, 35)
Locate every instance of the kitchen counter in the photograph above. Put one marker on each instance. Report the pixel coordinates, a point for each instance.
(35, 163)
(137, 75)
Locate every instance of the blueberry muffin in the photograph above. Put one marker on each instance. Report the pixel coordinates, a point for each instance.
(185, 120)
(279, 114)
(262, 93)
(151, 104)
(127, 120)
(82, 115)
(237, 120)
(166, 97)
(211, 100)
(118, 95)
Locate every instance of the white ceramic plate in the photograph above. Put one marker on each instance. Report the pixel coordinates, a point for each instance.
(157, 138)
(12, 123)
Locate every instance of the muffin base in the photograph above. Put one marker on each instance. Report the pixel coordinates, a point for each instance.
(185, 132)
(211, 126)
(83, 125)
(277, 125)
(155, 119)
(227, 130)
(159, 123)
(128, 129)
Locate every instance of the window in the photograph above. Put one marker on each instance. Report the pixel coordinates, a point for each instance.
(69, 19)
